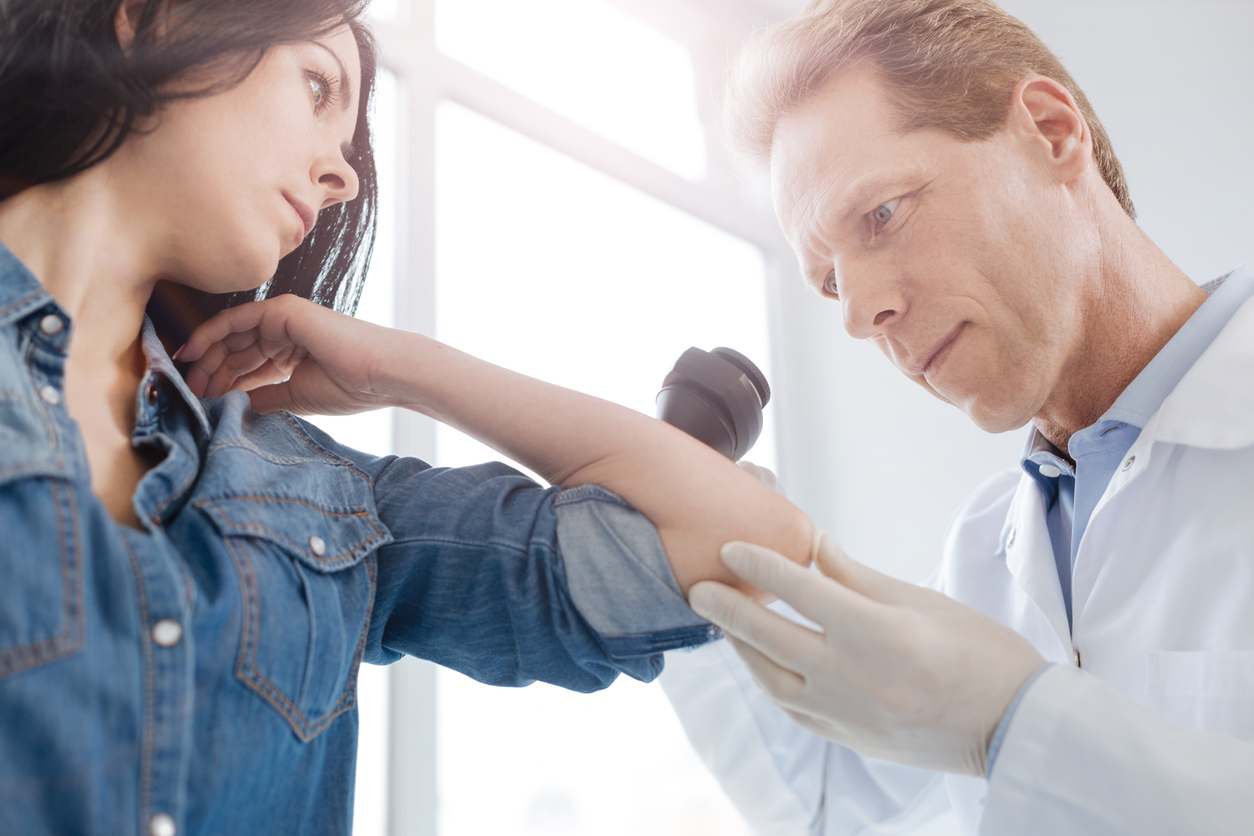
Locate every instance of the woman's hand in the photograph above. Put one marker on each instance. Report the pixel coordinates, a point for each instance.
(289, 353)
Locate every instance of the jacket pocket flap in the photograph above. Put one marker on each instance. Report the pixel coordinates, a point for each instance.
(325, 538)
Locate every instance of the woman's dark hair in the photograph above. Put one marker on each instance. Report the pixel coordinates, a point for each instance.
(70, 96)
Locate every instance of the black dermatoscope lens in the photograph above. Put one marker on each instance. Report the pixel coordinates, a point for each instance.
(716, 397)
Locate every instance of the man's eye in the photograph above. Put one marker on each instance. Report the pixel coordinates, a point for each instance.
(884, 212)
(829, 285)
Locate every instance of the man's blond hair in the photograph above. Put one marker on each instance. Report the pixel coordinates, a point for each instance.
(947, 64)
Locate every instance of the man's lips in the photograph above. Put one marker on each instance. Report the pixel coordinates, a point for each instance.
(307, 216)
(935, 355)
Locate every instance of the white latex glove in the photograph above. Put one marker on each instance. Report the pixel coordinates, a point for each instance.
(898, 672)
(765, 476)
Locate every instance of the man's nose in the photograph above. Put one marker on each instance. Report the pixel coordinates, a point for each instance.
(871, 303)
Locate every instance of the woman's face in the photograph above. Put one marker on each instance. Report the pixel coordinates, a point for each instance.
(226, 185)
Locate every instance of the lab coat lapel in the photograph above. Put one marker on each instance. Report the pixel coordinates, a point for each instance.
(1030, 558)
(1212, 407)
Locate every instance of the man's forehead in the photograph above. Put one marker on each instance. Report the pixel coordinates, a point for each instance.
(832, 139)
(840, 149)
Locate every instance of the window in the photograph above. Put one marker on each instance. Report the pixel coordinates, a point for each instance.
(565, 274)
(569, 225)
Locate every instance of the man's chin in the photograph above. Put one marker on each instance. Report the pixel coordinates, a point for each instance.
(994, 418)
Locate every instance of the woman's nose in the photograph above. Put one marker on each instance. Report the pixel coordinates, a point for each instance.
(337, 179)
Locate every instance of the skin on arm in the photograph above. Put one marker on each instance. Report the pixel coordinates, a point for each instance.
(293, 354)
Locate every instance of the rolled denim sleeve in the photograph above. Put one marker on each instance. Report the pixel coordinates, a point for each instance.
(619, 578)
(510, 582)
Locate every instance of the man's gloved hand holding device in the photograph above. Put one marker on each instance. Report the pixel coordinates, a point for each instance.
(881, 640)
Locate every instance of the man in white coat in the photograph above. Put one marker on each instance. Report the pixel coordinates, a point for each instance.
(1084, 661)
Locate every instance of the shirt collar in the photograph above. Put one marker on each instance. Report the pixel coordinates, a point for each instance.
(1146, 393)
(21, 294)
(159, 362)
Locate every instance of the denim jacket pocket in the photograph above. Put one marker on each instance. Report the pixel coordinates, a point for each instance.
(307, 580)
(41, 557)
(41, 574)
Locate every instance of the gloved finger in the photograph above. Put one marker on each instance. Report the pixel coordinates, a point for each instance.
(782, 685)
(833, 562)
(763, 475)
(814, 596)
(788, 644)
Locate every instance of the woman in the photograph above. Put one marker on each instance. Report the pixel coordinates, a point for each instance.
(189, 585)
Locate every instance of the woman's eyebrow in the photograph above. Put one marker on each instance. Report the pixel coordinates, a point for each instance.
(346, 99)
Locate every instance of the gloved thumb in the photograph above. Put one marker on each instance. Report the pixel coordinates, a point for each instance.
(764, 475)
(833, 562)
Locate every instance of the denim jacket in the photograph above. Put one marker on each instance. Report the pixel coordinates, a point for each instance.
(198, 676)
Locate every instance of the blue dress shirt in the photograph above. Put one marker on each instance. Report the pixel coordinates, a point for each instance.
(1097, 450)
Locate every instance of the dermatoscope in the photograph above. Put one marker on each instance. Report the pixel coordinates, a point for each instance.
(716, 397)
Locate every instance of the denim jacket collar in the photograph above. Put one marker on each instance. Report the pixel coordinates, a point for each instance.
(21, 294)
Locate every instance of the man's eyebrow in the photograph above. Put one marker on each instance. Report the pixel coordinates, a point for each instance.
(864, 191)
(346, 81)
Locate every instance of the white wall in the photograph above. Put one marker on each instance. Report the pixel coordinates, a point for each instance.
(882, 464)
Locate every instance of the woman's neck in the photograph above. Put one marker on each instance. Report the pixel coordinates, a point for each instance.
(77, 237)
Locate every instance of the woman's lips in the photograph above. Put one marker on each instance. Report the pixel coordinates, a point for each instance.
(307, 216)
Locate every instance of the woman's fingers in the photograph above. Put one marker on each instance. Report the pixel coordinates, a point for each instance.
(239, 319)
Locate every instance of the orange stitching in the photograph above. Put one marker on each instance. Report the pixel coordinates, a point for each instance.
(72, 636)
(286, 416)
(149, 687)
(251, 526)
(246, 666)
(9, 307)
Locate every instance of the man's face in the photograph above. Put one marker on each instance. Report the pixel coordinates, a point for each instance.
(961, 260)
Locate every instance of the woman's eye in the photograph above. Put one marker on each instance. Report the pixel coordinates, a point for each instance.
(884, 212)
(829, 284)
(320, 89)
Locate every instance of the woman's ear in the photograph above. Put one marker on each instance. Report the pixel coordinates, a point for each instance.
(126, 22)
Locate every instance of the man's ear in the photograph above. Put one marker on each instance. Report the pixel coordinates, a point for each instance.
(126, 22)
(1046, 116)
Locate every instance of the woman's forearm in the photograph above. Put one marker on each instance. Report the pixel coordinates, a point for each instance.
(697, 498)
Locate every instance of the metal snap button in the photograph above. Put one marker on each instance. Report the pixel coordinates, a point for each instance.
(152, 393)
(162, 824)
(1129, 462)
(51, 325)
(317, 545)
(50, 395)
(167, 632)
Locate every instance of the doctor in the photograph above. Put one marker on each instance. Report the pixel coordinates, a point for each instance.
(1084, 660)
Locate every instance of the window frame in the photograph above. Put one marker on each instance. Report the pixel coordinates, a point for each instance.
(425, 79)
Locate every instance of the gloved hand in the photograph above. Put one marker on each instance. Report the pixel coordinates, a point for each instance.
(763, 475)
(898, 672)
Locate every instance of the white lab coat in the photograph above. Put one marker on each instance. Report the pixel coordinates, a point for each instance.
(1152, 734)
